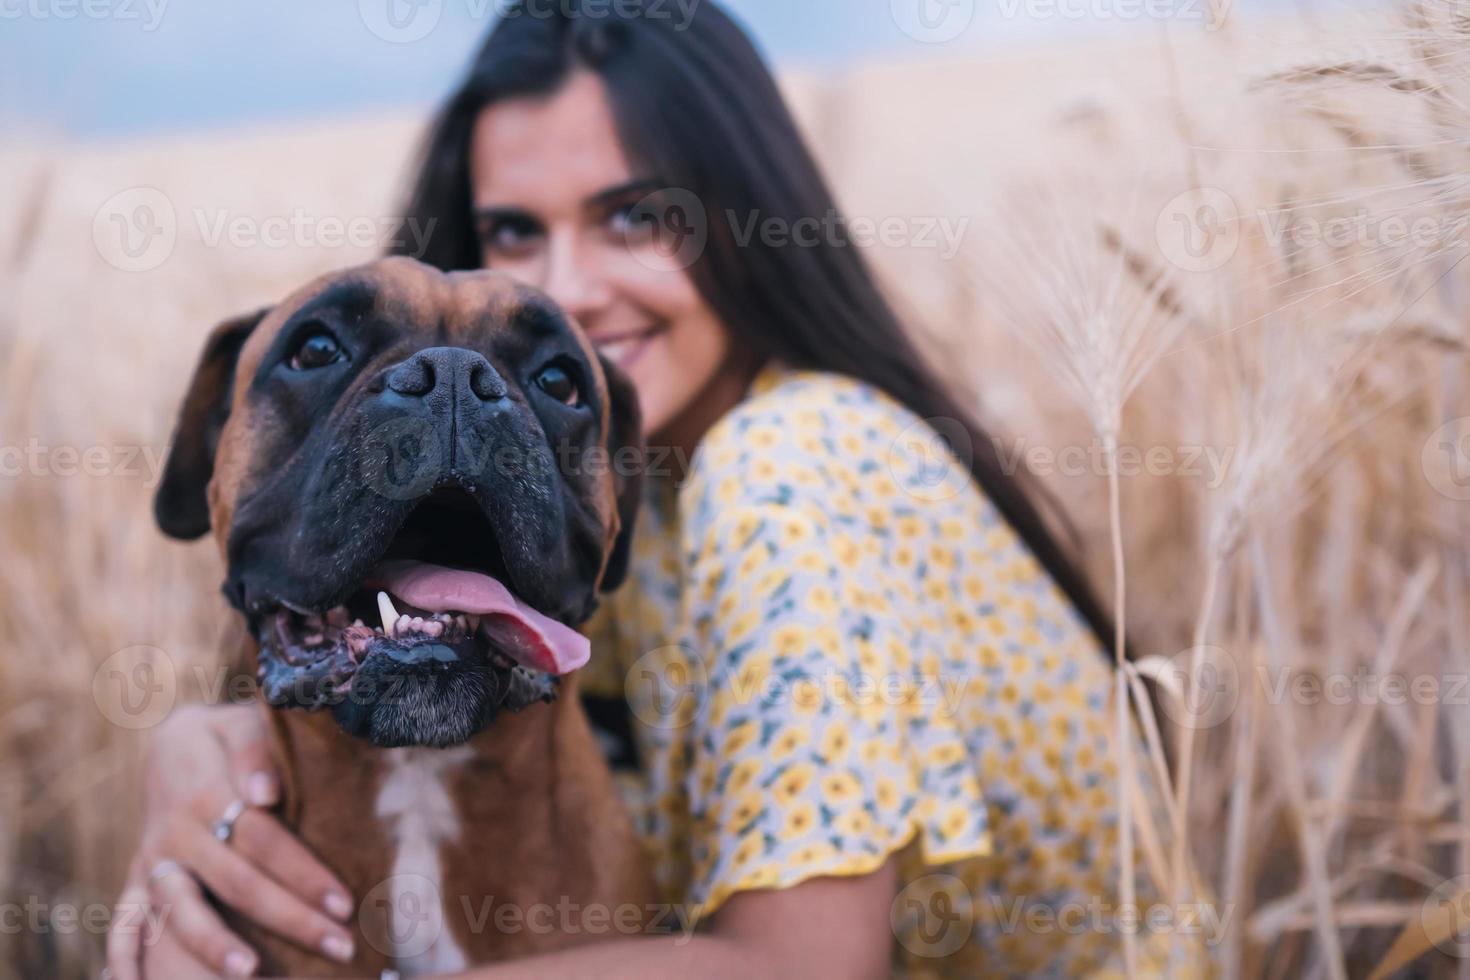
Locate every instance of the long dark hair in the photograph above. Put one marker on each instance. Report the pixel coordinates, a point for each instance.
(696, 105)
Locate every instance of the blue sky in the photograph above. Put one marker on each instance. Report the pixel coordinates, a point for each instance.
(109, 68)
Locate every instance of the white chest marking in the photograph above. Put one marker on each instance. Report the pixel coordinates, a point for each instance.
(416, 809)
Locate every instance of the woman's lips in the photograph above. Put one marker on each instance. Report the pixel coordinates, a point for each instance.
(626, 349)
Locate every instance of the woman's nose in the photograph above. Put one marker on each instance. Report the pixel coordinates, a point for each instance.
(574, 281)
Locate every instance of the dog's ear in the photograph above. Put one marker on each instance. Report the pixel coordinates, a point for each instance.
(624, 444)
(181, 505)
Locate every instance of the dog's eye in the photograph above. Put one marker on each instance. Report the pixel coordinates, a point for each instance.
(317, 351)
(559, 384)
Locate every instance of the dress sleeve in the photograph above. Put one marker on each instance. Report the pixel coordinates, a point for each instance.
(825, 743)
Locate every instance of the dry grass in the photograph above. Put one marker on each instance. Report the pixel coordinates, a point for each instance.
(1315, 372)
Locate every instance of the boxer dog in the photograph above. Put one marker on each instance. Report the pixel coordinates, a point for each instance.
(408, 475)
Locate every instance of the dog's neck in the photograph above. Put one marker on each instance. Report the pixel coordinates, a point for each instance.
(326, 767)
(464, 817)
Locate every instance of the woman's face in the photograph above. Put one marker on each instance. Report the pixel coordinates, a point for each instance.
(552, 195)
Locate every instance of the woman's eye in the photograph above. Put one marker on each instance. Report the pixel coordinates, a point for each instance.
(633, 220)
(508, 234)
(557, 383)
(317, 351)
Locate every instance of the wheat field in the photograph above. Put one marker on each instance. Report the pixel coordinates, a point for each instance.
(1209, 289)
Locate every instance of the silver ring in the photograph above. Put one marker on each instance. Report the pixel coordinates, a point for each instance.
(224, 828)
(165, 868)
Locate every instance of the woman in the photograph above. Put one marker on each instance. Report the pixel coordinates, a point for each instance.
(895, 699)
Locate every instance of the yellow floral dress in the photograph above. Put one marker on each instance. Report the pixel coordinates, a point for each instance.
(836, 651)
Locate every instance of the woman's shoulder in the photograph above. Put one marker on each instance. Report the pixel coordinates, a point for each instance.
(815, 400)
(806, 420)
(823, 437)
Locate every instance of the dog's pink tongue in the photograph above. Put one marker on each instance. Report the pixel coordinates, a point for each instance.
(530, 638)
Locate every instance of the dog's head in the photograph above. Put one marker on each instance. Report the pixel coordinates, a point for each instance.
(419, 482)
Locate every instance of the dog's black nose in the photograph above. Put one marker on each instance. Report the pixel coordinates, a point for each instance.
(449, 368)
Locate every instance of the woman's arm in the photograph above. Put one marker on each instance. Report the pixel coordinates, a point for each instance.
(830, 927)
(200, 761)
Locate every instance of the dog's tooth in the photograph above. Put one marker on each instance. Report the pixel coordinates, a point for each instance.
(417, 624)
(434, 628)
(473, 623)
(358, 622)
(386, 610)
(404, 624)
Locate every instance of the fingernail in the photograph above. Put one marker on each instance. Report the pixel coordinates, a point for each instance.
(338, 948)
(338, 906)
(261, 789)
(239, 963)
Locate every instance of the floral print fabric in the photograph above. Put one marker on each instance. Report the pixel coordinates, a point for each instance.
(836, 651)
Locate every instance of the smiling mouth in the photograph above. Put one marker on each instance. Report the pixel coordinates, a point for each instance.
(626, 349)
(436, 600)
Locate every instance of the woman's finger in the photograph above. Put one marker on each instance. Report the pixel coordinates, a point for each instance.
(245, 888)
(247, 747)
(189, 921)
(262, 839)
(165, 958)
(125, 934)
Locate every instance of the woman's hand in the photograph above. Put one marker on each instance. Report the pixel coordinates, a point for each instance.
(201, 761)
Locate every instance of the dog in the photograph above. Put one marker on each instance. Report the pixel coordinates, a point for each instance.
(411, 478)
